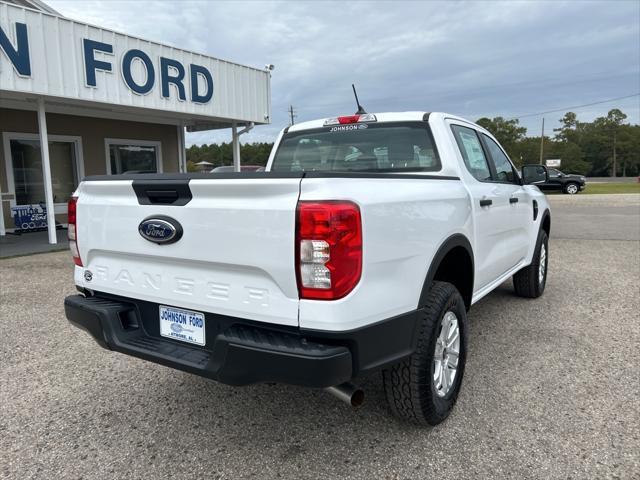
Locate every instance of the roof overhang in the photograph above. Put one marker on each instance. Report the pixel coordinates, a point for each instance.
(99, 72)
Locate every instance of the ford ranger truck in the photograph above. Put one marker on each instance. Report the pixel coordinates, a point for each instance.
(360, 249)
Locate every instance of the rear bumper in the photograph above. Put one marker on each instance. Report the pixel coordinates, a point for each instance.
(241, 352)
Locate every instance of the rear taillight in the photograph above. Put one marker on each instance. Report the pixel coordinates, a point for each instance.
(73, 231)
(328, 249)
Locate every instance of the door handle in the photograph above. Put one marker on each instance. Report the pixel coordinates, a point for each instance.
(485, 202)
(513, 199)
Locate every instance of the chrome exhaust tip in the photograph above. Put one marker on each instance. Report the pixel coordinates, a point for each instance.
(348, 393)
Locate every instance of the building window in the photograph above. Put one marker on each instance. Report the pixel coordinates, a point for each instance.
(24, 168)
(133, 156)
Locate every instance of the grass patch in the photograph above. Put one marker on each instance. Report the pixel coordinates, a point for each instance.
(597, 188)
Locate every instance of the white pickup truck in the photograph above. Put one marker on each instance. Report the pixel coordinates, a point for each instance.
(360, 249)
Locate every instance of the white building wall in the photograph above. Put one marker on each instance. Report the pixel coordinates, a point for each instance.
(58, 70)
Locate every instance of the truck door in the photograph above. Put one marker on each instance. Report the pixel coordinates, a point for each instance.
(515, 198)
(493, 225)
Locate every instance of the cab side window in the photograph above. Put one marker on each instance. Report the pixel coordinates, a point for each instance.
(472, 152)
(503, 168)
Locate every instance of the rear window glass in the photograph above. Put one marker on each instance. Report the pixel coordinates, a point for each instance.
(406, 146)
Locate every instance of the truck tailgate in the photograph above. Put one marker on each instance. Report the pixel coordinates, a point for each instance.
(235, 257)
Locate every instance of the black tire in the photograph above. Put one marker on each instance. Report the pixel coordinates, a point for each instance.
(409, 385)
(571, 191)
(527, 281)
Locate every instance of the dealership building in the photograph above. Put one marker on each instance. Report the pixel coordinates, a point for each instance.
(105, 103)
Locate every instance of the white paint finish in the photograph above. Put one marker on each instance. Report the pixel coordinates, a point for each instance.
(46, 172)
(274, 150)
(534, 193)
(235, 257)
(82, 108)
(3, 230)
(501, 232)
(404, 221)
(380, 117)
(241, 93)
(235, 146)
(182, 153)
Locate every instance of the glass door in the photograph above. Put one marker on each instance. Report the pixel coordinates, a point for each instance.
(28, 178)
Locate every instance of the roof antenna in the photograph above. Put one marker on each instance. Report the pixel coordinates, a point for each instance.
(360, 109)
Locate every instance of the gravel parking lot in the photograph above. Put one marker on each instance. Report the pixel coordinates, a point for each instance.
(552, 386)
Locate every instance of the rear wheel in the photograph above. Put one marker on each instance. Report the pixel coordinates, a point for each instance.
(530, 281)
(571, 188)
(424, 387)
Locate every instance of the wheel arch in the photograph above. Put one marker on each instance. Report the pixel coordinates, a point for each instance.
(545, 222)
(453, 263)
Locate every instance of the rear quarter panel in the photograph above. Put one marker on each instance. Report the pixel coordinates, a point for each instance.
(404, 221)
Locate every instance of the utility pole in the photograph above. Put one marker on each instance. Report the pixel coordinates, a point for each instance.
(292, 114)
(614, 153)
(542, 143)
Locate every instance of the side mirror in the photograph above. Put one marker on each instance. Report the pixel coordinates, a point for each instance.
(534, 174)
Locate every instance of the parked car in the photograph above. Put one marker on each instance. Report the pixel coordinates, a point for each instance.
(360, 250)
(243, 168)
(566, 183)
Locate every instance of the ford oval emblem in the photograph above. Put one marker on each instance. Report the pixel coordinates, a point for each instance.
(160, 229)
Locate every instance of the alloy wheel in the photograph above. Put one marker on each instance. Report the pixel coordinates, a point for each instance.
(542, 268)
(446, 354)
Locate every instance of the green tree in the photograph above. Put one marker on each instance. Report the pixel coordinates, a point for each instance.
(569, 129)
(628, 146)
(222, 154)
(507, 132)
(570, 154)
(584, 147)
(526, 151)
(599, 142)
(596, 141)
(615, 118)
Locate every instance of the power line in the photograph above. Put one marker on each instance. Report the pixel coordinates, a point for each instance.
(292, 114)
(479, 90)
(564, 109)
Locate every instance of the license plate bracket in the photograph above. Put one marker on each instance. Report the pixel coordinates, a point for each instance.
(182, 325)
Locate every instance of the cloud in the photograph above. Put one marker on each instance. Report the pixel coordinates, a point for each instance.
(469, 58)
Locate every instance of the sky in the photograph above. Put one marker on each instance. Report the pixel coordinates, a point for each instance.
(473, 59)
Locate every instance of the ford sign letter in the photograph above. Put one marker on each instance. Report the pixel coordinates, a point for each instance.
(160, 229)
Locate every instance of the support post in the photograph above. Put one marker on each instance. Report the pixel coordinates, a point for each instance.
(184, 146)
(46, 172)
(182, 152)
(236, 147)
(3, 231)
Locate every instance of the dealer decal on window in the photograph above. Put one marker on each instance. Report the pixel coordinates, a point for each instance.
(342, 128)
